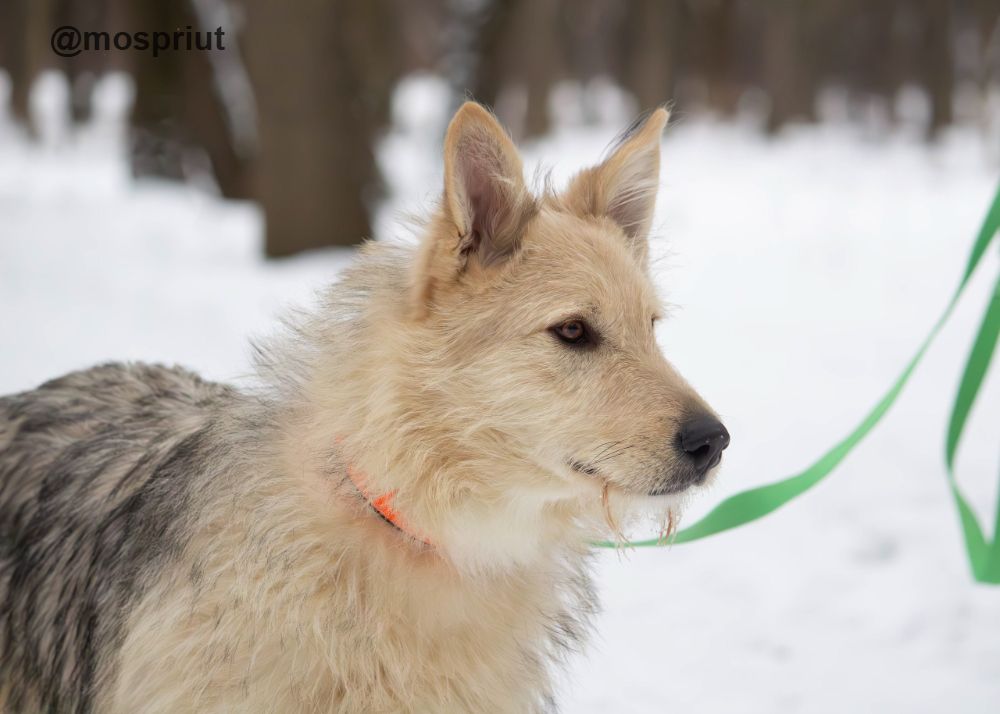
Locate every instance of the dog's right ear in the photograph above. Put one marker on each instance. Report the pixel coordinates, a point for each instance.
(485, 204)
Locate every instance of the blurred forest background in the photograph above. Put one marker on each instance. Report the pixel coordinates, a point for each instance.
(289, 113)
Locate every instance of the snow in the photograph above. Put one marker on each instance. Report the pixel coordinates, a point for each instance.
(805, 270)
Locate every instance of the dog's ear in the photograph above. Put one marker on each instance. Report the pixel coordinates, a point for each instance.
(485, 205)
(484, 192)
(623, 187)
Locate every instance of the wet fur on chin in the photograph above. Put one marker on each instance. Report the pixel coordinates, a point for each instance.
(173, 545)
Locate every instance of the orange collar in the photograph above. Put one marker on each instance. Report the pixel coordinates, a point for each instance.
(382, 505)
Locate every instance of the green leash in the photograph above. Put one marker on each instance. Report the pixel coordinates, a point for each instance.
(755, 503)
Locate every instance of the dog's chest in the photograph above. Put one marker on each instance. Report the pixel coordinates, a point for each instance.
(422, 644)
(359, 637)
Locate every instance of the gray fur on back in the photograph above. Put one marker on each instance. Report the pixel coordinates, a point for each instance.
(98, 472)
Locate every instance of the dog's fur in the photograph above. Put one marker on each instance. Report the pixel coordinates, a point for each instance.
(173, 545)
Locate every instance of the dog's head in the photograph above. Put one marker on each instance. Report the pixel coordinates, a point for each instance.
(540, 314)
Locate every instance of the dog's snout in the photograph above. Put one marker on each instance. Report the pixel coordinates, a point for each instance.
(703, 439)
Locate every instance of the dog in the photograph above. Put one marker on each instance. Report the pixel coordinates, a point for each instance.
(398, 515)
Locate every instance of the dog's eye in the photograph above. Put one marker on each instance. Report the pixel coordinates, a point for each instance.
(573, 332)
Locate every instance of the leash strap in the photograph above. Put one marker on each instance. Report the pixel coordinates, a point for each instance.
(755, 503)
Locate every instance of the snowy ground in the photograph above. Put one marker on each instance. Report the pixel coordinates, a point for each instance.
(805, 271)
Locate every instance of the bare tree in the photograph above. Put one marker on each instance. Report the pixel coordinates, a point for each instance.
(322, 77)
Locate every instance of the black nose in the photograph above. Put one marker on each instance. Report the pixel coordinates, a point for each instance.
(703, 439)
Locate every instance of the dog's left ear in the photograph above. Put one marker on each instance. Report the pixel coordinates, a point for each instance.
(624, 186)
(485, 204)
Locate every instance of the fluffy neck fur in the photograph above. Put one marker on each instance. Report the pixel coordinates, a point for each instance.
(369, 391)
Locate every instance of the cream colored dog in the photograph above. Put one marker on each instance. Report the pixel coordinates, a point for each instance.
(400, 520)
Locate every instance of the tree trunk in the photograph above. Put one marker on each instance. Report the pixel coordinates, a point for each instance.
(652, 47)
(316, 122)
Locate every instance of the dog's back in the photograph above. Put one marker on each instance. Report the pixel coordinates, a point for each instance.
(95, 469)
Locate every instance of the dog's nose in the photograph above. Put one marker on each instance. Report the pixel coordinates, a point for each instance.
(703, 439)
